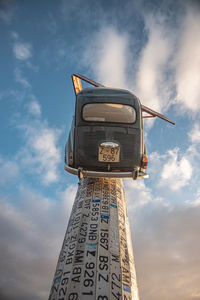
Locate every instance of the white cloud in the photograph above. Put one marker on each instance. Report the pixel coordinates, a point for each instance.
(137, 194)
(152, 82)
(169, 62)
(34, 108)
(187, 62)
(196, 202)
(194, 135)
(176, 171)
(41, 154)
(110, 57)
(169, 67)
(22, 51)
(107, 56)
(9, 170)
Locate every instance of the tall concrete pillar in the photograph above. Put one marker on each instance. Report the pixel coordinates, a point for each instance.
(96, 260)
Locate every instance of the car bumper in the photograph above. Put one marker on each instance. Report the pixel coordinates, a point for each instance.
(96, 174)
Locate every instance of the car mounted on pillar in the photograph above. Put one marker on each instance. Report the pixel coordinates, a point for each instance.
(106, 137)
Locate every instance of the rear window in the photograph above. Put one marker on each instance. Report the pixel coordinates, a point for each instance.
(109, 112)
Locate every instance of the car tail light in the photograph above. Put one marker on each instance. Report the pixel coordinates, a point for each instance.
(144, 162)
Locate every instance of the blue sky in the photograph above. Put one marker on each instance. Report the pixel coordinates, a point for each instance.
(149, 47)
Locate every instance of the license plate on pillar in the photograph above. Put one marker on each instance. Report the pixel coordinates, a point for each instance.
(109, 154)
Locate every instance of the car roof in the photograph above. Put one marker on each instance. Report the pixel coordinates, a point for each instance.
(106, 91)
(112, 93)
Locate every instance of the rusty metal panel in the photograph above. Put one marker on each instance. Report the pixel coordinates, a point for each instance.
(154, 113)
(77, 84)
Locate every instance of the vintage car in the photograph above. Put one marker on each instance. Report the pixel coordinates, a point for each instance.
(106, 137)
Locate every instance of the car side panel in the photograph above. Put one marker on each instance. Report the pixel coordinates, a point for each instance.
(69, 148)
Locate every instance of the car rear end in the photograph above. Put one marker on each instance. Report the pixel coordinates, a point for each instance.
(108, 131)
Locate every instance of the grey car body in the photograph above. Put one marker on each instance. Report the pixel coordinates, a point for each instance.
(87, 135)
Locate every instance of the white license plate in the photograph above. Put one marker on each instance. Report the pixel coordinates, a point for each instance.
(109, 154)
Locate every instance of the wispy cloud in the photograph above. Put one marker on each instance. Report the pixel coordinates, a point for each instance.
(34, 108)
(168, 65)
(22, 51)
(177, 172)
(107, 57)
(9, 170)
(194, 134)
(153, 85)
(133, 188)
(196, 201)
(109, 54)
(20, 78)
(176, 168)
(187, 61)
(41, 154)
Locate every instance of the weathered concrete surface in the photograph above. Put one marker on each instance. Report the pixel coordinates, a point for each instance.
(96, 260)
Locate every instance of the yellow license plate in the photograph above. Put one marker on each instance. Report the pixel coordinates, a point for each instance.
(109, 154)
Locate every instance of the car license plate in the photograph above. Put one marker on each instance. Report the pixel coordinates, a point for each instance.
(109, 154)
